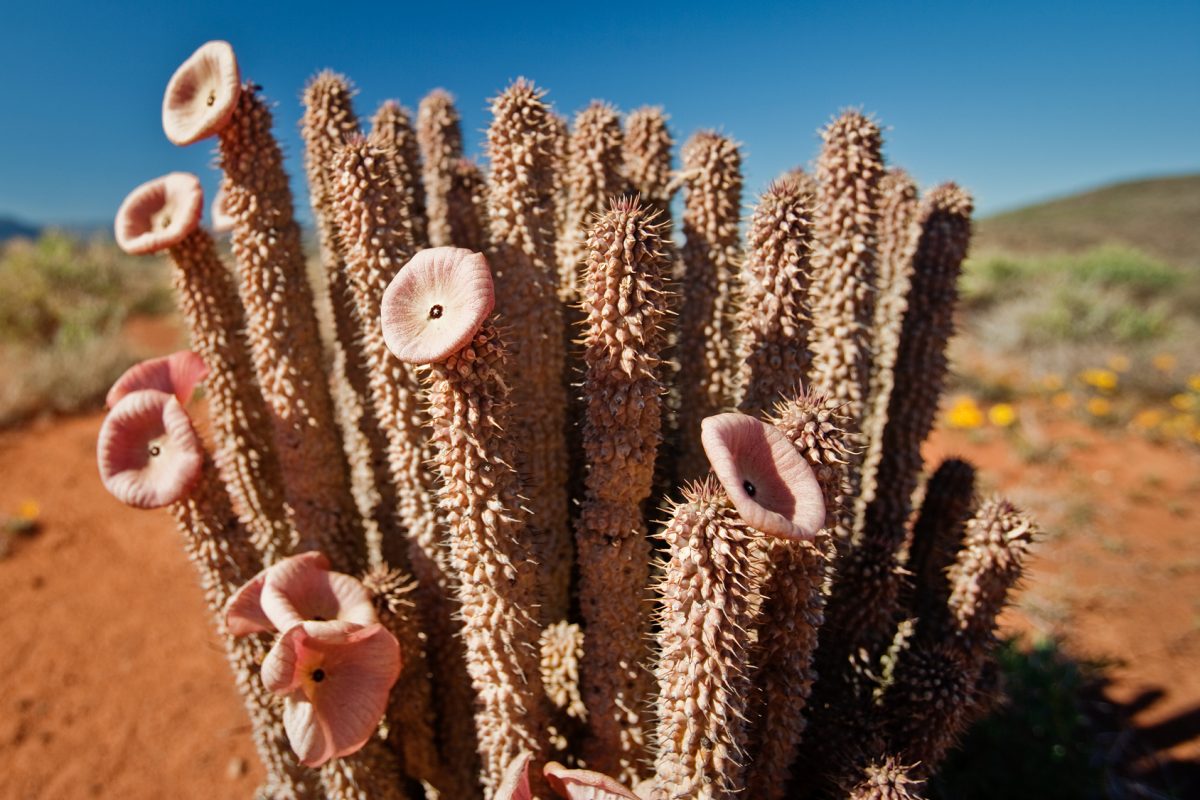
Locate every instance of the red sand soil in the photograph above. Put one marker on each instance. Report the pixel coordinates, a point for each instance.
(1117, 574)
(116, 686)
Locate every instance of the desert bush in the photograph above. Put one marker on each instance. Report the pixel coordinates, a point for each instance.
(63, 301)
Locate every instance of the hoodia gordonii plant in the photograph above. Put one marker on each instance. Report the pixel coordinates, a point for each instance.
(424, 591)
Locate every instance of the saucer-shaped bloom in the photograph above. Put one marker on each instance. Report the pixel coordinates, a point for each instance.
(159, 213)
(222, 220)
(770, 484)
(177, 374)
(436, 304)
(335, 678)
(298, 589)
(584, 784)
(202, 94)
(148, 452)
(515, 784)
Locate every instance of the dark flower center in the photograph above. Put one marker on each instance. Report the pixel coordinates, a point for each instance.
(749, 487)
(318, 675)
(212, 98)
(435, 312)
(154, 450)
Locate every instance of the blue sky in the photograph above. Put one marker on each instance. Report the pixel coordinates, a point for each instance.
(1018, 102)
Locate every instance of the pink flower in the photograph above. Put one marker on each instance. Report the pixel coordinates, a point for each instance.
(298, 589)
(515, 783)
(584, 784)
(334, 678)
(148, 453)
(770, 484)
(202, 94)
(436, 303)
(159, 214)
(177, 374)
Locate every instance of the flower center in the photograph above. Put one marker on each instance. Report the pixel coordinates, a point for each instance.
(318, 675)
(435, 312)
(212, 98)
(155, 450)
(749, 487)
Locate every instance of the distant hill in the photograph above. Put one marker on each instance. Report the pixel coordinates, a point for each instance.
(11, 228)
(1159, 216)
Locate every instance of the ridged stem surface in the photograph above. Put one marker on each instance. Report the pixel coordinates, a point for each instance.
(627, 268)
(439, 133)
(794, 599)
(775, 317)
(282, 330)
(648, 145)
(707, 336)
(593, 179)
(521, 207)
(707, 598)
(392, 131)
(944, 222)
(897, 241)
(491, 554)
(328, 120)
(377, 242)
(245, 449)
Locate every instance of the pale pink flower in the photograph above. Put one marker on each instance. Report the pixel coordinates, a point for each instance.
(159, 214)
(770, 484)
(584, 784)
(178, 374)
(334, 678)
(515, 783)
(294, 590)
(202, 94)
(148, 453)
(436, 303)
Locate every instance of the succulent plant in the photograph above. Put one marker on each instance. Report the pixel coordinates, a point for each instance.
(508, 529)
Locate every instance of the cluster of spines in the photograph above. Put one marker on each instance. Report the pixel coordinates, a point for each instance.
(775, 315)
(282, 330)
(707, 331)
(627, 269)
(521, 211)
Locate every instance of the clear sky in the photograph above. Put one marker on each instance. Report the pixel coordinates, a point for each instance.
(1017, 101)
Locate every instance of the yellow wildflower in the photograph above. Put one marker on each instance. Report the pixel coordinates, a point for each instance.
(1183, 402)
(1099, 406)
(1164, 362)
(1002, 415)
(29, 510)
(1063, 401)
(1052, 382)
(1119, 363)
(1194, 383)
(1103, 379)
(964, 414)
(1149, 418)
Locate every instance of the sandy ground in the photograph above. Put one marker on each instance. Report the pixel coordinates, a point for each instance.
(117, 687)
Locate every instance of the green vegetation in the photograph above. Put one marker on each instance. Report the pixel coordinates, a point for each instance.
(63, 303)
(1156, 216)
(1107, 295)
(1040, 736)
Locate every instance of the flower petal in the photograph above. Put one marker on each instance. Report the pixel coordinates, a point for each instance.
(303, 588)
(202, 94)
(436, 303)
(515, 784)
(177, 374)
(584, 784)
(159, 214)
(307, 733)
(243, 613)
(149, 455)
(769, 483)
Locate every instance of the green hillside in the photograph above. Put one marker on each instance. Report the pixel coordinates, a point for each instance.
(1159, 216)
